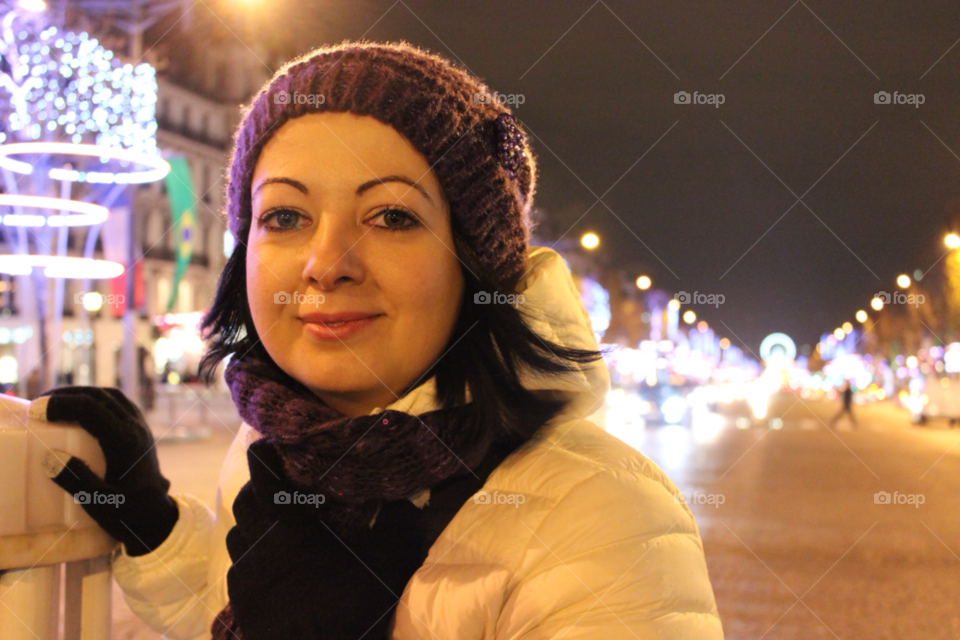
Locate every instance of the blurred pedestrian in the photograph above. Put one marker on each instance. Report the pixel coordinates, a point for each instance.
(847, 409)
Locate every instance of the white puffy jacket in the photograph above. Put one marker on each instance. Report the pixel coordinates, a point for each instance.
(599, 547)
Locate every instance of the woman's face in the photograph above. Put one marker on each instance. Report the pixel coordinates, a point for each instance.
(353, 282)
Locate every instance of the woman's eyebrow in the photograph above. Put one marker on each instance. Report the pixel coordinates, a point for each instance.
(369, 184)
(296, 184)
(363, 188)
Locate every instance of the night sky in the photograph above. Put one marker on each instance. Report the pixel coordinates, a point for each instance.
(703, 198)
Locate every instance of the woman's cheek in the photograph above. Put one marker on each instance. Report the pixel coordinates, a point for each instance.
(433, 300)
(263, 288)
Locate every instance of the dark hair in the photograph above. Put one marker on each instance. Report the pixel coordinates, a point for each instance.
(489, 348)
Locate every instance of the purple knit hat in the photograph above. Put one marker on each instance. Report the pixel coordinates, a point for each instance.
(473, 144)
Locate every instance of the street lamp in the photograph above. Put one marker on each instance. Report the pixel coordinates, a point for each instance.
(877, 304)
(839, 334)
(92, 301)
(952, 241)
(590, 241)
(689, 317)
(643, 283)
(903, 281)
(847, 327)
(862, 316)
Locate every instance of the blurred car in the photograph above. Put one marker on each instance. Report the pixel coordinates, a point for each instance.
(939, 398)
(667, 404)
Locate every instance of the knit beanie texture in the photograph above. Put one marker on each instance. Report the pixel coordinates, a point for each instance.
(482, 161)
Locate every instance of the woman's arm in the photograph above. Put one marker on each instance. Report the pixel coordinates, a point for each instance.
(186, 605)
(169, 588)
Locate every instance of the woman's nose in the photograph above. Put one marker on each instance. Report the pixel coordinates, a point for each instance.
(333, 257)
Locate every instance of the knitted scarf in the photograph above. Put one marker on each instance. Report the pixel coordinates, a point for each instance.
(360, 463)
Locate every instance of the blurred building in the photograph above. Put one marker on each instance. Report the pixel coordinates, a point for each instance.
(200, 130)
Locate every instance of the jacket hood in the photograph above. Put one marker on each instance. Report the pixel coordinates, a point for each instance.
(556, 313)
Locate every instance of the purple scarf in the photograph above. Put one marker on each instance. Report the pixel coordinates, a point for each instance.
(357, 462)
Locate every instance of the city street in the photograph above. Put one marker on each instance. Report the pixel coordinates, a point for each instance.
(799, 548)
(737, 224)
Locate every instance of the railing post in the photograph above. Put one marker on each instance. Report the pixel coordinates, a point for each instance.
(45, 535)
(30, 604)
(88, 598)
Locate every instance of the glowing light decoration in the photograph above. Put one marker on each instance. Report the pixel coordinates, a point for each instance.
(8, 370)
(92, 301)
(157, 167)
(778, 344)
(32, 5)
(87, 213)
(59, 85)
(60, 266)
(596, 301)
(229, 243)
(64, 85)
(951, 358)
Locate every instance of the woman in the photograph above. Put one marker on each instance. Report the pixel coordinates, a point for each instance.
(414, 460)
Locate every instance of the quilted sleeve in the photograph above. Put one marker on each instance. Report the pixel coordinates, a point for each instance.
(167, 588)
(617, 558)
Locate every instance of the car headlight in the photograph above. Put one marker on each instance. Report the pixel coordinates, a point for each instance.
(673, 409)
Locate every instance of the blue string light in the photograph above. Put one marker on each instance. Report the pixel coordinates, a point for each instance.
(67, 85)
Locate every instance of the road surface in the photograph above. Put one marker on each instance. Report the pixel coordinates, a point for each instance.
(796, 542)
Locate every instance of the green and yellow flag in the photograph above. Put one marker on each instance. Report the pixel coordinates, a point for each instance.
(182, 208)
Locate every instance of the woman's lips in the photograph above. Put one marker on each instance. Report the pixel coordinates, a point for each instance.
(336, 329)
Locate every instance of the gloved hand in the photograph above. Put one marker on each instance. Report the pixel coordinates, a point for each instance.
(131, 501)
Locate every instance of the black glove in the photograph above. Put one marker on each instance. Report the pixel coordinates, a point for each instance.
(292, 577)
(131, 501)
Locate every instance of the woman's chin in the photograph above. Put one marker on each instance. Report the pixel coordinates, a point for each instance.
(364, 392)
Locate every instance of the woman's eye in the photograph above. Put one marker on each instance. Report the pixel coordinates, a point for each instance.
(395, 219)
(283, 220)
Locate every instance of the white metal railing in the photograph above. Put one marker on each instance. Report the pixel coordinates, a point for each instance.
(190, 411)
(56, 581)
